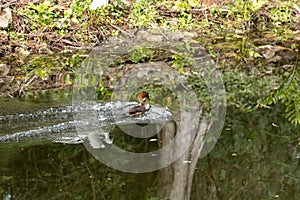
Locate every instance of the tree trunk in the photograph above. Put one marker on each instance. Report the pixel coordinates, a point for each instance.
(175, 181)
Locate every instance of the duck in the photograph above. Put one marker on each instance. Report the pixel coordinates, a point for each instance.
(142, 97)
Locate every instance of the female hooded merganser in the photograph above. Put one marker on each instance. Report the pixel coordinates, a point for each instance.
(143, 107)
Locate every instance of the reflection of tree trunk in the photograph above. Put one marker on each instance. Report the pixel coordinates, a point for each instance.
(175, 181)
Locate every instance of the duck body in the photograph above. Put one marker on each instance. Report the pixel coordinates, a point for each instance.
(138, 110)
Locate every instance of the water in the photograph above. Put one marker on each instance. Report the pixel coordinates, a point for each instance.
(70, 123)
(36, 166)
(255, 158)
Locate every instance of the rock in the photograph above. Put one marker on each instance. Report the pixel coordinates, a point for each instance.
(5, 17)
(4, 69)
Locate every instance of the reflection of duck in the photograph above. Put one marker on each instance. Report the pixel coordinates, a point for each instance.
(143, 107)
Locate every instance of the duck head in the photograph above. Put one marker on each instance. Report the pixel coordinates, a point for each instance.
(142, 97)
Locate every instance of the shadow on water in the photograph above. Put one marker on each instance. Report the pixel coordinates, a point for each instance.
(257, 157)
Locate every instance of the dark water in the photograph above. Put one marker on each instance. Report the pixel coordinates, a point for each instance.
(256, 157)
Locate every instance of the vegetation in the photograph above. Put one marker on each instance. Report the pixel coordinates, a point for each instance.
(254, 43)
(288, 94)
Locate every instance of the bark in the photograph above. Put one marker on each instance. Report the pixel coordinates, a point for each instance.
(175, 181)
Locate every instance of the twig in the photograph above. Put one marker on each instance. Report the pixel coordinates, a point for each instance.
(69, 34)
(126, 33)
(7, 84)
(296, 7)
(81, 48)
(199, 9)
(27, 83)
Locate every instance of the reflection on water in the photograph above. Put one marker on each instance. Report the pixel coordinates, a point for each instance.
(43, 171)
(255, 158)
